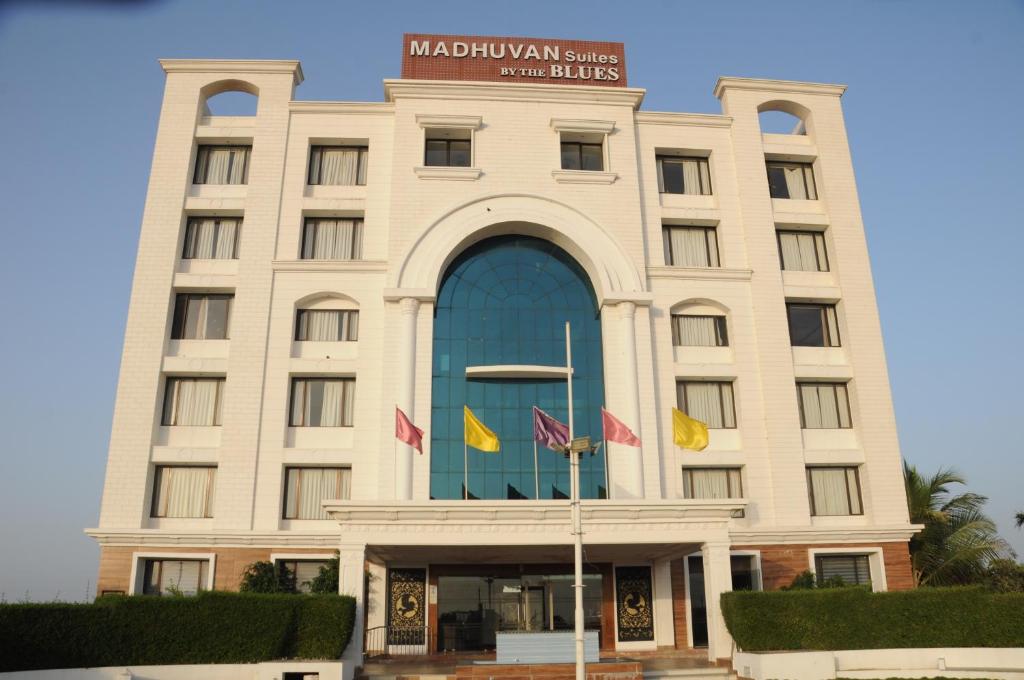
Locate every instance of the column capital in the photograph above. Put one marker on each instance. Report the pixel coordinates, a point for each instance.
(627, 308)
(409, 305)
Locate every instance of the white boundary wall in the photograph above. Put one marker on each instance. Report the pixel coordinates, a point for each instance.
(328, 670)
(972, 662)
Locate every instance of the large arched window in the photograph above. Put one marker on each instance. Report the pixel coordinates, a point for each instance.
(505, 301)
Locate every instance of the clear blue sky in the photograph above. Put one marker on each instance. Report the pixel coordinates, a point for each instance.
(937, 84)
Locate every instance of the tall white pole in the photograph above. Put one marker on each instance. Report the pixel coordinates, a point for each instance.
(536, 473)
(577, 523)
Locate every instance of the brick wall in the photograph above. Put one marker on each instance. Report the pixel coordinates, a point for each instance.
(781, 563)
(116, 563)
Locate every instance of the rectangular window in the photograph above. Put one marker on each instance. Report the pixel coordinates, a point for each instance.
(709, 402)
(222, 164)
(823, 406)
(164, 577)
(332, 239)
(812, 325)
(691, 247)
(183, 491)
(322, 402)
(193, 401)
(802, 251)
(211, 238)
(834, 491)
(201, 316)
(327, 325)
(699, 331)
(791, 180)
(712, 483)
(305, 489)
(851, 569)
(679, 175)
(452, 153)
(298, 575)
(338, 165)
(582, 156)
(745, 575)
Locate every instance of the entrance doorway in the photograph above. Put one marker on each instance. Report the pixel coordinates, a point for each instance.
(471, 610)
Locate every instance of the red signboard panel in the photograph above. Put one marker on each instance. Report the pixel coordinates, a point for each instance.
(516, 60)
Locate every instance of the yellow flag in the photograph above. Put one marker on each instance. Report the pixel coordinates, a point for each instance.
(687, 432)
(477, 434)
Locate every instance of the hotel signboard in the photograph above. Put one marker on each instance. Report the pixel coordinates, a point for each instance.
(519, 60)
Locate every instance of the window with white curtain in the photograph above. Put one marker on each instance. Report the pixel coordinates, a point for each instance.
(322, 402)
(327, 325)
(699, 331)
(709, 402)
(691, 247)
(305, 489)
(823, 406)
(791, 180)
(299, 574)
(834, 491)
(712, 483)
(211, 238)
(164, 577)
(344, 165)
(218, 164)
(812, 325)
(201, 316)
(448, 148)
(183, 491)
(851, 569)
(193, 401)
(332, 238)
(683, 175)
(802, 251)
(581, 155)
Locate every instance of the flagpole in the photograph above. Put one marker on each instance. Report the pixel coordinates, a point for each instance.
(577, 523)
(536, 474)
(465, 469)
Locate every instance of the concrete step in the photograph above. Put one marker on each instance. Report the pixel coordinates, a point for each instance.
(706, 672)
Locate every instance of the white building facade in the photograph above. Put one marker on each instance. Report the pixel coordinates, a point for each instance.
(303, 271)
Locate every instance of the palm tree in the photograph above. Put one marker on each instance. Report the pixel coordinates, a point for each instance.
(958, 540)
(1020, 520)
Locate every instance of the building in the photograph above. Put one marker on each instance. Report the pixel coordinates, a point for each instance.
(304, 270)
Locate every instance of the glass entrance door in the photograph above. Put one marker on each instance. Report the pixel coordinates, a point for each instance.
(698, 604)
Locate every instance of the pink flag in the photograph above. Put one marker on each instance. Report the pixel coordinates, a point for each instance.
(616, 431)
(406, 432)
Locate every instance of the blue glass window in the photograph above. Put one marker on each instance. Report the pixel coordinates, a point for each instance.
(505, 300)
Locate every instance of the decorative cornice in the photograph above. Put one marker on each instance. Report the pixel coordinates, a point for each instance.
(832, 534)
(699, 273)
(339, 266)
(447, 172)
(199, 539)
(232, 66)
(348, 108)
(603, 127)
(785, 86)
(448, 121)
(684, 119)
(584, 177)
(449, 90)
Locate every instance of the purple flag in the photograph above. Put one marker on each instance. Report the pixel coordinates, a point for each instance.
(548, 431)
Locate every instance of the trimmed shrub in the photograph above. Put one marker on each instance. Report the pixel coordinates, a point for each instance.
(212, 627)
(855, 618)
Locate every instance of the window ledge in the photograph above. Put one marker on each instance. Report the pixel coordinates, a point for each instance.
(584, 176)
(445, 172)
(699, 273)
(330, 265)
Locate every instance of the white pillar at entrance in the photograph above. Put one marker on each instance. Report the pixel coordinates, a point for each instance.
(409, 308)
(717, 580)
(630, 469)
(350, 582)
(664, 631)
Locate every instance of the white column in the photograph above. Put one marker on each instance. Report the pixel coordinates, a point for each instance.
(664, 628)
(350, 582)
(406, 392)
(630, 469)
(717, 580)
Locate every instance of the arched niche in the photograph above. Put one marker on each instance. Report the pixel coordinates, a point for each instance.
(230, 98)
(784, 117)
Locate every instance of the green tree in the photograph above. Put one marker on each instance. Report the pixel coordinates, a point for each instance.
(263, 577)
(327, 580)
(958, 541)
(1020, 519)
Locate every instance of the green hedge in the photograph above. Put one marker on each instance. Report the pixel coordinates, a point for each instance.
(213, 627)
(855, 618)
